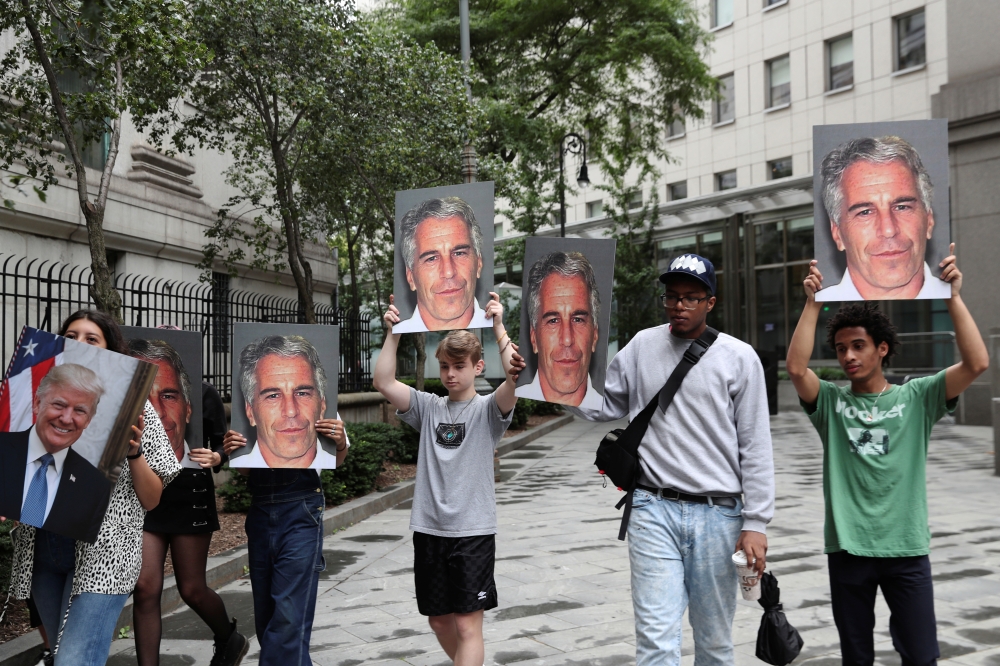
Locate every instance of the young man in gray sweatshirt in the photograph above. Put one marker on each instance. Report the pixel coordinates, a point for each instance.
(707, 482)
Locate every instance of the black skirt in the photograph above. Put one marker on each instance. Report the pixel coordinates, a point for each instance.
(187, 505)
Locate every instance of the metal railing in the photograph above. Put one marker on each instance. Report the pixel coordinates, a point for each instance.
(924, 352)
(42, 293)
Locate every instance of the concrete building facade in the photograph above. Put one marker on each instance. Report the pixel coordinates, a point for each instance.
(739, 190)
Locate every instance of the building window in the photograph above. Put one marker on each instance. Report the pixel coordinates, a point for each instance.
(840, 55)
(722, 13)
(780, 168)
(782, 251)
(676, 128)
(595, 208)
(725, 105)
(498, 230)
(635, 201)
(911, 41)
(725, 180)
(678, 190)
(779, 82)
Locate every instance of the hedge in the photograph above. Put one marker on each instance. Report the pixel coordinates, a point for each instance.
(371, 445)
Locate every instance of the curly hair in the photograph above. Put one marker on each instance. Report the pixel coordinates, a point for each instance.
(868, 317)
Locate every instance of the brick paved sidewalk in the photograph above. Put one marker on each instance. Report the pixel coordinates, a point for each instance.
(563, 577)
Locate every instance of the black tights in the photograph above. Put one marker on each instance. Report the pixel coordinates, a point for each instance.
(190, 554)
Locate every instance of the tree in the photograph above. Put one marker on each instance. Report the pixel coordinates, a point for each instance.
(397, 124)
(636, 273)
(620, 72)
(265, 101)
(76, 68)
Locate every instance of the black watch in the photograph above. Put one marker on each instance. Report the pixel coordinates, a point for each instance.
(137, 453)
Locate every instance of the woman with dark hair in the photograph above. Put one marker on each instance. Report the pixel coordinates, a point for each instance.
(80, 588)
(184, 520)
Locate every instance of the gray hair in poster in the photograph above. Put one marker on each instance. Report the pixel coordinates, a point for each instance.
(439, 209)
(158, 350)
(880, 150)
(72, 375)
(567, 264)
(286, 346)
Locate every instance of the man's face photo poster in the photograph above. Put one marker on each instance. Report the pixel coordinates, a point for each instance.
(176, 392)
(881, 210)
(565, 319)
(284, 381)
(443, 257)
(66, 415)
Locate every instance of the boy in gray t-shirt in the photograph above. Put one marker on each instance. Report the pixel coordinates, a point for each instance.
(454, 518)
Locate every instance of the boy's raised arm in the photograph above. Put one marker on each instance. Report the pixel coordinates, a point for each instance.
(974, 359)
(800, 348)
(511, 360)
(384, 379)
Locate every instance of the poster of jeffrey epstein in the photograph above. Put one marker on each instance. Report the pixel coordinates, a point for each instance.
(284, 381)
(444, 257)
(66, 415)
(566, 319)
(881, 210)
(176, 392)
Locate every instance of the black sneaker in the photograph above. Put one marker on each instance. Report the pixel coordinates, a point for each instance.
(230, 651)
(47, 658)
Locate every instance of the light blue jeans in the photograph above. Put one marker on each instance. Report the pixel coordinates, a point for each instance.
(89, 629)
(681, 557)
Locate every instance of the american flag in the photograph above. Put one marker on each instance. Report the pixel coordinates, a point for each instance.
(37, 352)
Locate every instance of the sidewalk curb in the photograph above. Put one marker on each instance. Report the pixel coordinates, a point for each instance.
(226, 567)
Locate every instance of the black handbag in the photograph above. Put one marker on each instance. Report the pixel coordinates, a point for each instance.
(618, 453)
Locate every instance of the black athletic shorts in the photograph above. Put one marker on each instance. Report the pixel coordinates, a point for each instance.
(454, 574)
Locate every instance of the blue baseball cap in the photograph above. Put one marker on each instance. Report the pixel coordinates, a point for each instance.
(695, 266)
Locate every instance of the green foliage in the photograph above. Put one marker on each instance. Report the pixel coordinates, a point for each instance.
(636, 287)
(370, 444)
(6, 553)
(525, 408)
(511, 315)
(618, 72)
(235, 493)
(68, 74)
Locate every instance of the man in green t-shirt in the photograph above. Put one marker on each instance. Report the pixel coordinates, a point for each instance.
(875, 437)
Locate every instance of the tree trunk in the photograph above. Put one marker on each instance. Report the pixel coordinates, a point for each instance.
(105, 296)
(420, 340)
(297, 263)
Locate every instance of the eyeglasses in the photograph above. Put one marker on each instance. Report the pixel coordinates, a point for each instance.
(687, 302)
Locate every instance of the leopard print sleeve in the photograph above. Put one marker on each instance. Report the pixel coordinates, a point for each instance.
(158, 451)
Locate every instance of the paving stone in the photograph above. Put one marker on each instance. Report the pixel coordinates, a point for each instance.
(563, 577)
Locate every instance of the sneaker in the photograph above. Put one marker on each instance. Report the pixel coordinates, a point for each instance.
(230, 651)
(47, 658)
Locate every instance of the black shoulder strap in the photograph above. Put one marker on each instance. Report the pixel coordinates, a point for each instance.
(640, 423)
(694, 352)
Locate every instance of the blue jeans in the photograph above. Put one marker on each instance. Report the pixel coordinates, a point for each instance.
(681, 557)
(52, 579)
(89, 629)
(285, 544)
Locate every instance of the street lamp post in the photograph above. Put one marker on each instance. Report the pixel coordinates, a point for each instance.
(470, 169)
(577, 146)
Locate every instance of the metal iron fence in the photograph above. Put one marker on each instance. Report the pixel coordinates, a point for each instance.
(42, 293)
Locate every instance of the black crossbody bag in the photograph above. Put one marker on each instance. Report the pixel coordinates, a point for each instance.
(618, 452)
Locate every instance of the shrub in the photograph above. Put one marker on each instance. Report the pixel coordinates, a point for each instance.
(371, 444)
(235, 493)
(6, 552)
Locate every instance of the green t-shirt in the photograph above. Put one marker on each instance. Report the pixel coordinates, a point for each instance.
(874, 464)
